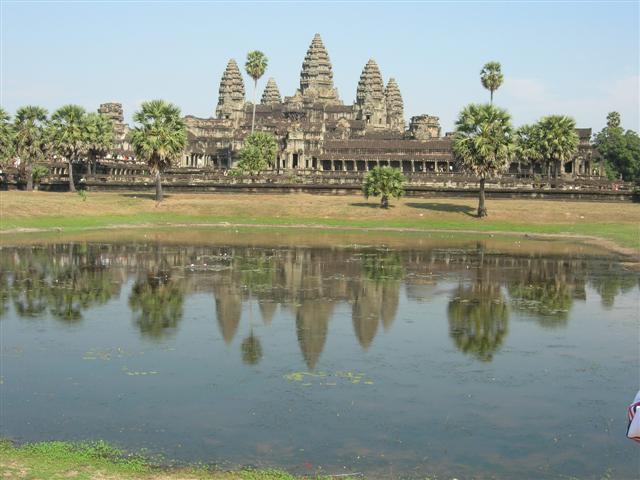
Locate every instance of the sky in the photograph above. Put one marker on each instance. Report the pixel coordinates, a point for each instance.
(574, 58)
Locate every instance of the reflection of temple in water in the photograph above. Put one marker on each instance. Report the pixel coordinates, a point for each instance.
(68, 279)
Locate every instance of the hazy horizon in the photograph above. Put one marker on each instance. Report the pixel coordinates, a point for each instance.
(575, 58)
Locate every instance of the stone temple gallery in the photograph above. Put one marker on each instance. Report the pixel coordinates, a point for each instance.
(317, 131)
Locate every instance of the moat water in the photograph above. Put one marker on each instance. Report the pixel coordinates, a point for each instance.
(454, 359)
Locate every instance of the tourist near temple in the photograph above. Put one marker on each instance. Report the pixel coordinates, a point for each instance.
(317, 131)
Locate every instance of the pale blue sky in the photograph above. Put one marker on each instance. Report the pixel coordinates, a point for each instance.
(574, 58)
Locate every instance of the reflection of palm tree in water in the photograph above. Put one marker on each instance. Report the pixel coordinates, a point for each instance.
(157, 300)
(251, 350)
(479, 316)
(611, 284)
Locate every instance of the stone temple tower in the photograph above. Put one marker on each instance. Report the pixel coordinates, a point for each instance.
(395, 106)
(316, 77)
(371, 104)
(271, 94)
(231, 94)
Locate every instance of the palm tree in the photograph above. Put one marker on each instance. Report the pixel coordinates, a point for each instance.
(491, 77)
(30, 138)
(68, 137)
(613, 120)
(528, 144)
(7, 137)
(99, 137)
(160, 137)
(558, 141)
(255, 66)
(384, 181)
(483, 143)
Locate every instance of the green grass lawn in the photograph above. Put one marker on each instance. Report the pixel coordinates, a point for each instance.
(616, 222)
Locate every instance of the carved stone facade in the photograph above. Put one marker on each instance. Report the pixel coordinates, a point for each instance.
(231, 102)
(308, 120)
(271, 94)
(114, 112)
(316, 131)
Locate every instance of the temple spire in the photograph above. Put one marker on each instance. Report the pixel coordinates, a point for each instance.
(271, 94)
(370, 98)
(395, 106)
(316, 77)
(231, 97)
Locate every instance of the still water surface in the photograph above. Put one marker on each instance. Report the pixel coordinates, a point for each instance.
(405, 362)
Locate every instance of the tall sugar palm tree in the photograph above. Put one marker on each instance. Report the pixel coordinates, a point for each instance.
(491, 77)
(99, 137)
(7, 137)
(483, 144)
(255, 66)
(558, 141)
(68, 136)
(160, 137)
(30, 138)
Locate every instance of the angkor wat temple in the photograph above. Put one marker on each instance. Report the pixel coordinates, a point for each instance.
(317, 131)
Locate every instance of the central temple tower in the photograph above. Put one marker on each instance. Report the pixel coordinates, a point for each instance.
(316, 77)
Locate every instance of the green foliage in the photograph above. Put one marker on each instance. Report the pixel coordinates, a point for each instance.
(484, 141)
(7, 138)
(384, 182)
(256, 64)
(491, 77)
(259, 153)
(38, 173)
(99, 136)
(619, 149)
(82, 194)
(101, 460)
(528, 139)
(557, 140)
(31, 141)
(613, 120)
(160, 136)
(67, 135)
(67, 132)
(53, 459)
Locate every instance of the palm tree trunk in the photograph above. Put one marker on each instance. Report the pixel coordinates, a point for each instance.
(159, 195)
(482, 210)
(491, 93)
(72, 186)
(255, 93)
(29, 173)
(384, 201)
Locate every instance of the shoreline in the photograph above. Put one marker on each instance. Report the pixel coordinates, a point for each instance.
(614, 228)
(631, 254)
(99, 460)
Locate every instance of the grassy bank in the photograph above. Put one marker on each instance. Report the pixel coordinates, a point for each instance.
(100, 461)
(614, 222)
